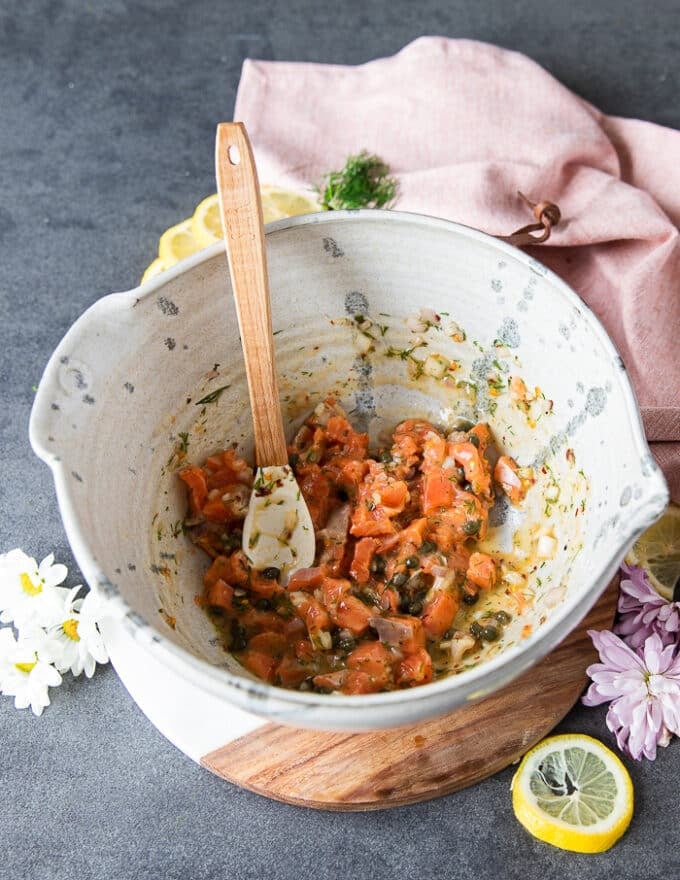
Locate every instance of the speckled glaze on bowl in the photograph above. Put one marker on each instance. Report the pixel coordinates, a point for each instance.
(151, 379)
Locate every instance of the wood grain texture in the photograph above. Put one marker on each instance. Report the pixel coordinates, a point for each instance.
(367, 771)
(241, 212)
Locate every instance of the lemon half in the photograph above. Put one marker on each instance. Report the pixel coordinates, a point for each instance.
(574, 793)
(658, 551)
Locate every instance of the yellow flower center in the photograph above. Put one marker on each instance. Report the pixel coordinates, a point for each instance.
(70, 628)
(28, 586)
(25, 667)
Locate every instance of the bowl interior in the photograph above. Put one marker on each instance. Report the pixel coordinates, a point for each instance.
(148, 381)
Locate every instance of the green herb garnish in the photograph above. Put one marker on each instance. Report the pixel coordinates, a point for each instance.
(402, 353)
(496, 383)
(213, 396)
(364, 182)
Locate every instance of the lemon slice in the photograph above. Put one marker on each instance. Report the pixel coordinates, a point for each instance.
(573, 792)
(206, 225)
(177, 243)
(279, 203)
(153, 269)
(658, 551)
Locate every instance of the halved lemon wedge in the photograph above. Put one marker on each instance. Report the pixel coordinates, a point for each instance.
(658, 551)
(573, 792)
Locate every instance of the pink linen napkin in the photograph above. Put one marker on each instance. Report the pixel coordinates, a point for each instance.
(464, 126)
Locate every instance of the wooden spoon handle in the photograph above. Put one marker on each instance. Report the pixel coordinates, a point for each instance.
(241, 211)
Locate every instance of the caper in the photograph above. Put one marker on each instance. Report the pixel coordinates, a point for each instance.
(474, 439)
(283, 607)
(414, 607)
(271, 573)
(502, 617)
(490, 633)
(476, 629)
(370, 596)
(231, 540)
(415, 582)
(386, 456)
(399, 579)
(472, 526)
(411, 562)
(428, 547)
(343, 640)
(238, 637)
(377, 565)
(470, 598)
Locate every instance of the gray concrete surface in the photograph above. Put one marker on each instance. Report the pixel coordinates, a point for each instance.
(107, 114)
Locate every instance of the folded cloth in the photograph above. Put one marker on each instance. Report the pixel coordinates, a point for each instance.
(464, 126)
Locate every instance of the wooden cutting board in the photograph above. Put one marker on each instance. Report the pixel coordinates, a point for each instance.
(380, 769)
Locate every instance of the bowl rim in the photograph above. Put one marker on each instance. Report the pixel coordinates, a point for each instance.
(476, 682)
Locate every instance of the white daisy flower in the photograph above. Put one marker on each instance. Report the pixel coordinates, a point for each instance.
(45, 644)
(80, 642)
(24, 674)
(29, 595)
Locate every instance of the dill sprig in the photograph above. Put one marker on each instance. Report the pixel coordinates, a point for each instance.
(364, 182)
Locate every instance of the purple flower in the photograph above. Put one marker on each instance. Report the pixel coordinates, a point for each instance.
(643, 692)
(644, 612)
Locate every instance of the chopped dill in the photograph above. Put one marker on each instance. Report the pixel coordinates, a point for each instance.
(402, 353)
(212, 397)
(364, 182)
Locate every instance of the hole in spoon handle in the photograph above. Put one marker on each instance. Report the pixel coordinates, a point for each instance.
(233, 154)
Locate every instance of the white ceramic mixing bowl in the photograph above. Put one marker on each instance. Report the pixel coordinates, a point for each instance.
(148, 380)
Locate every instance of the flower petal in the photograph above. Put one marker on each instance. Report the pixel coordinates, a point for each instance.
(614, 652)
